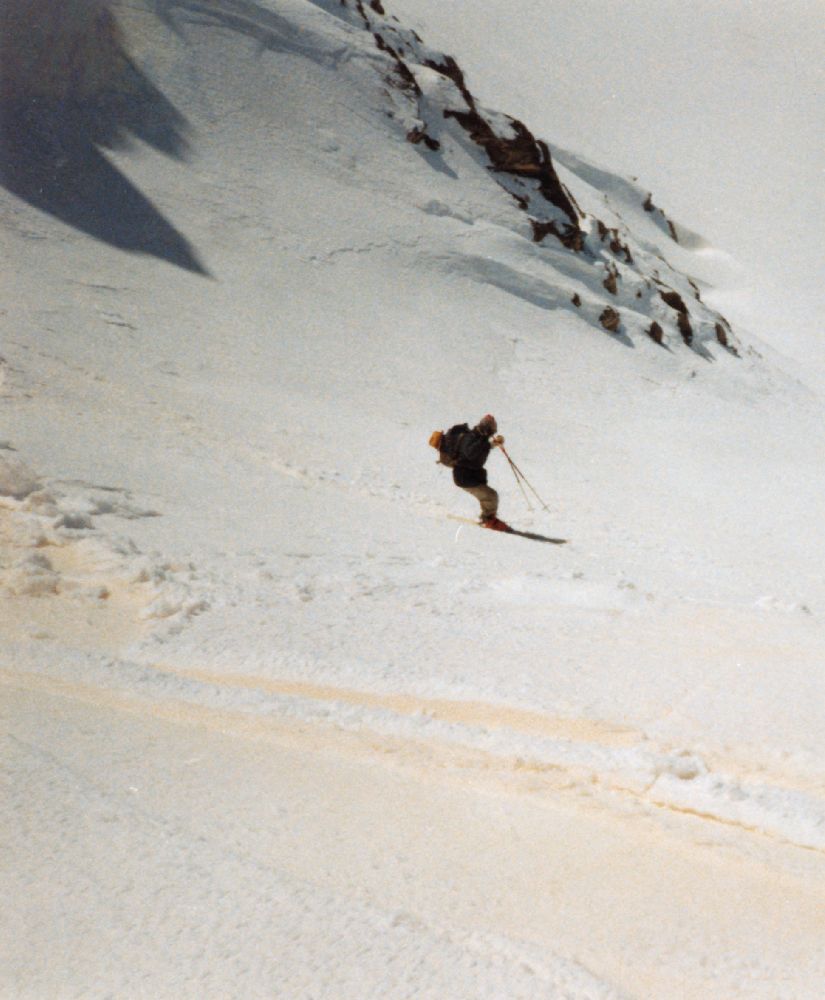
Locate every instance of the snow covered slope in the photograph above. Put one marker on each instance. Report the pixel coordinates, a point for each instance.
(257, 253)
(718, 107)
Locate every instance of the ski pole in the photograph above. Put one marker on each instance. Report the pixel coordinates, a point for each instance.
(519, 474)
(532, 489)
(518, 480)
(521, 481)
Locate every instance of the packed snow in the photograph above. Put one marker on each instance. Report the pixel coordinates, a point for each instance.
(278, 719)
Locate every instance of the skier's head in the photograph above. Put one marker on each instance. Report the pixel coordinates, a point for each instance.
(487, 425)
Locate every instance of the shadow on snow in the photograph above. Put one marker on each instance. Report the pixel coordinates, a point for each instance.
(68, 89)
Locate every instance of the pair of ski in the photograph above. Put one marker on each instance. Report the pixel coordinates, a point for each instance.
(532, 535)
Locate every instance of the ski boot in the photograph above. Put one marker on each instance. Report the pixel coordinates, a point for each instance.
(494, 524)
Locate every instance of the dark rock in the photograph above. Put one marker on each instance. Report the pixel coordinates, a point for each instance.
(655, 332)
(648, 206)
(611, 281)
(569, 236)
(616, 245)
(610, 319)
(675, 301)
(417, 135)
(722, 331)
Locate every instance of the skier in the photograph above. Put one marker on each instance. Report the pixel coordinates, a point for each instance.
(472, 448)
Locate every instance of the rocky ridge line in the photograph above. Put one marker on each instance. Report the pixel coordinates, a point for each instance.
(522, 164)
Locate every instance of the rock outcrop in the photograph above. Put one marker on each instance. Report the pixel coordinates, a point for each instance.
(434, 92)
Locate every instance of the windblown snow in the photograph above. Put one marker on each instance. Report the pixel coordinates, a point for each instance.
(275, 722)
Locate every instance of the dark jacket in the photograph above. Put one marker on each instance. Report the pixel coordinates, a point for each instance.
(473, 450)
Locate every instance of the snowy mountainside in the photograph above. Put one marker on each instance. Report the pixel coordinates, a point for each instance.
(436, 93)
(625, 285)
(352, 287)
(705, 104)
(256, 256)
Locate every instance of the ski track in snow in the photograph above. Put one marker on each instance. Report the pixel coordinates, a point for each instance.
(519, 749)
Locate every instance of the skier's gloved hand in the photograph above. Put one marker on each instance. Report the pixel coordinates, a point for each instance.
(497, 440)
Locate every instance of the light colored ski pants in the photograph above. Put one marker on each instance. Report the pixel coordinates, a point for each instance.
(486, 496)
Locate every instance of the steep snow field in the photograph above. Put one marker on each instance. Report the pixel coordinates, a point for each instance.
(276, 723)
